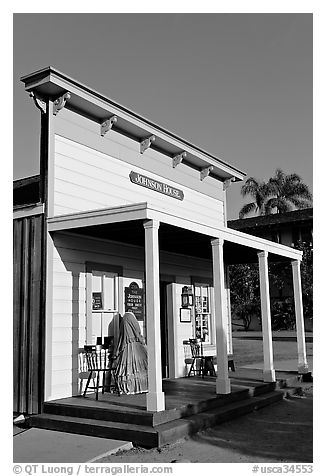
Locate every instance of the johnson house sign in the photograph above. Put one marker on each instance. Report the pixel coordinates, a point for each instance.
(134, 300)
(155, 185)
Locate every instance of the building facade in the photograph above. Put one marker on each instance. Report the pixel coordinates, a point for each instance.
(286, 228)
(129, 215)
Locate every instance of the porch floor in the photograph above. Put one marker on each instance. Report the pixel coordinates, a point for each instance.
(178, 393)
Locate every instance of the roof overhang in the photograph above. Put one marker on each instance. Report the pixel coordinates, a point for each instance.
(50, 83)
(142, 211)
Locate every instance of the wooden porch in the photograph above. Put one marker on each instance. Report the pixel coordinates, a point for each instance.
(191, 405)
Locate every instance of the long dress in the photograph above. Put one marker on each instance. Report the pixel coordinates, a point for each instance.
(131, 362)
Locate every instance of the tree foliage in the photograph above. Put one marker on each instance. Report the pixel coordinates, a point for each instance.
(282, 193)
(245, 290)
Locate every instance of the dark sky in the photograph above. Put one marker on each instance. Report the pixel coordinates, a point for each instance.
(237, 85)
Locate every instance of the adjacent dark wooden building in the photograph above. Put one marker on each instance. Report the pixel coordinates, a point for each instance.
(28, 291)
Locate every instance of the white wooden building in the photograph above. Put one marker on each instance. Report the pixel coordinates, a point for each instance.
(126, 202)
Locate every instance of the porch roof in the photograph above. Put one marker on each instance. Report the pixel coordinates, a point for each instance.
(124, 223)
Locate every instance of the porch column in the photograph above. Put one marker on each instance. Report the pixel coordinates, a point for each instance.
(155, 398)
(269, 372)
(223, 384)
(299, 319)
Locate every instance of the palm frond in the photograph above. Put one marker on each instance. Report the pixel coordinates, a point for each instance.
(250, 187)
(300, 202)
(279, 204)
(246, 209)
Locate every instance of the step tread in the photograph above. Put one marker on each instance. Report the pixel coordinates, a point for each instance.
(216, 411)
(89, 421)
(250, 402)
(160, 434)
(142, 417)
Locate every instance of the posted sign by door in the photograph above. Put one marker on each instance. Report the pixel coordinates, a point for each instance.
(134, 300)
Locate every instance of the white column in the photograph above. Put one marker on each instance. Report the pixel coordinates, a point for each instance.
(228, 310)
(269, 372)
(223, 384)
(301, 342)
(155, 397)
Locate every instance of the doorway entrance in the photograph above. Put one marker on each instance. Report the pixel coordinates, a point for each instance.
(164, 328)
(102, 301)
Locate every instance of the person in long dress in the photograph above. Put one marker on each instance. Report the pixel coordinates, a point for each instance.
(131, 361)
(113, 332)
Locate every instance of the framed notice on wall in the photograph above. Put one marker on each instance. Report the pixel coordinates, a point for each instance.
(97, 302)
(185, 314)
(134, 300)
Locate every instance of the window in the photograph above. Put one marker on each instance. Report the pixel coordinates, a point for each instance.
(203, 324)
(102, 292)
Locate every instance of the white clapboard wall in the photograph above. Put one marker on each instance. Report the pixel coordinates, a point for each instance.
(86, 179)
(66, 319)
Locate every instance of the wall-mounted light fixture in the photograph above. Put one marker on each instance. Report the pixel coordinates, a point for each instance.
(187, 298)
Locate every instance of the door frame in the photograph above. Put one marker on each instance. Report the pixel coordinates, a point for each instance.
(102, 267)
(166, 282)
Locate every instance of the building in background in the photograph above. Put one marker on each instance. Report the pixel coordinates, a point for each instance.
(285, 228)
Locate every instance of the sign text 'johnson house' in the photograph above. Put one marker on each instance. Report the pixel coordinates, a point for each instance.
(155, 185)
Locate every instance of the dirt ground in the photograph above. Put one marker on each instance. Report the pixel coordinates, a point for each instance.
(247, 351)
(280, 433)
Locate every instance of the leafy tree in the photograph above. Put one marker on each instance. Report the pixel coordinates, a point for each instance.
(260, 191)
(283, 314)
(280, 194)
(306, 277)
(244, 292)
(289, 192)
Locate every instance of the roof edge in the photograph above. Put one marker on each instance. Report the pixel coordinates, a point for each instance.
(31, 80)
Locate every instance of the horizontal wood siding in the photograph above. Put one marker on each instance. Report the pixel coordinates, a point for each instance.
(66, 329)
(87, 180)
(28, 314)
(86, 132)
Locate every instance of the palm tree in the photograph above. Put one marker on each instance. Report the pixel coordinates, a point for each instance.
(260, 191)
(281, 193)
(288, 192)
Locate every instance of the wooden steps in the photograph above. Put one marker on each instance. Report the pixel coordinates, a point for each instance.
(154, 429)
(204, 420)
(86, 408)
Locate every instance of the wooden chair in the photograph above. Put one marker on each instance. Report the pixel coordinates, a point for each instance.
(99, 361)
(196, 348)
(231, 365)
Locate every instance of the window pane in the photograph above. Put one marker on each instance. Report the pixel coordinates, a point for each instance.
(202, 313)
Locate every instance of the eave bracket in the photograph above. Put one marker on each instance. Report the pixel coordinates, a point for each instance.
(205, 172)
(106, 126)
(146, 143)
(228, 182)
(60, 103)
(177, 159)
(41, 105)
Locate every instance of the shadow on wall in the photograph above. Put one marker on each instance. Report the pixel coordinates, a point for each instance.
(72, 307)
